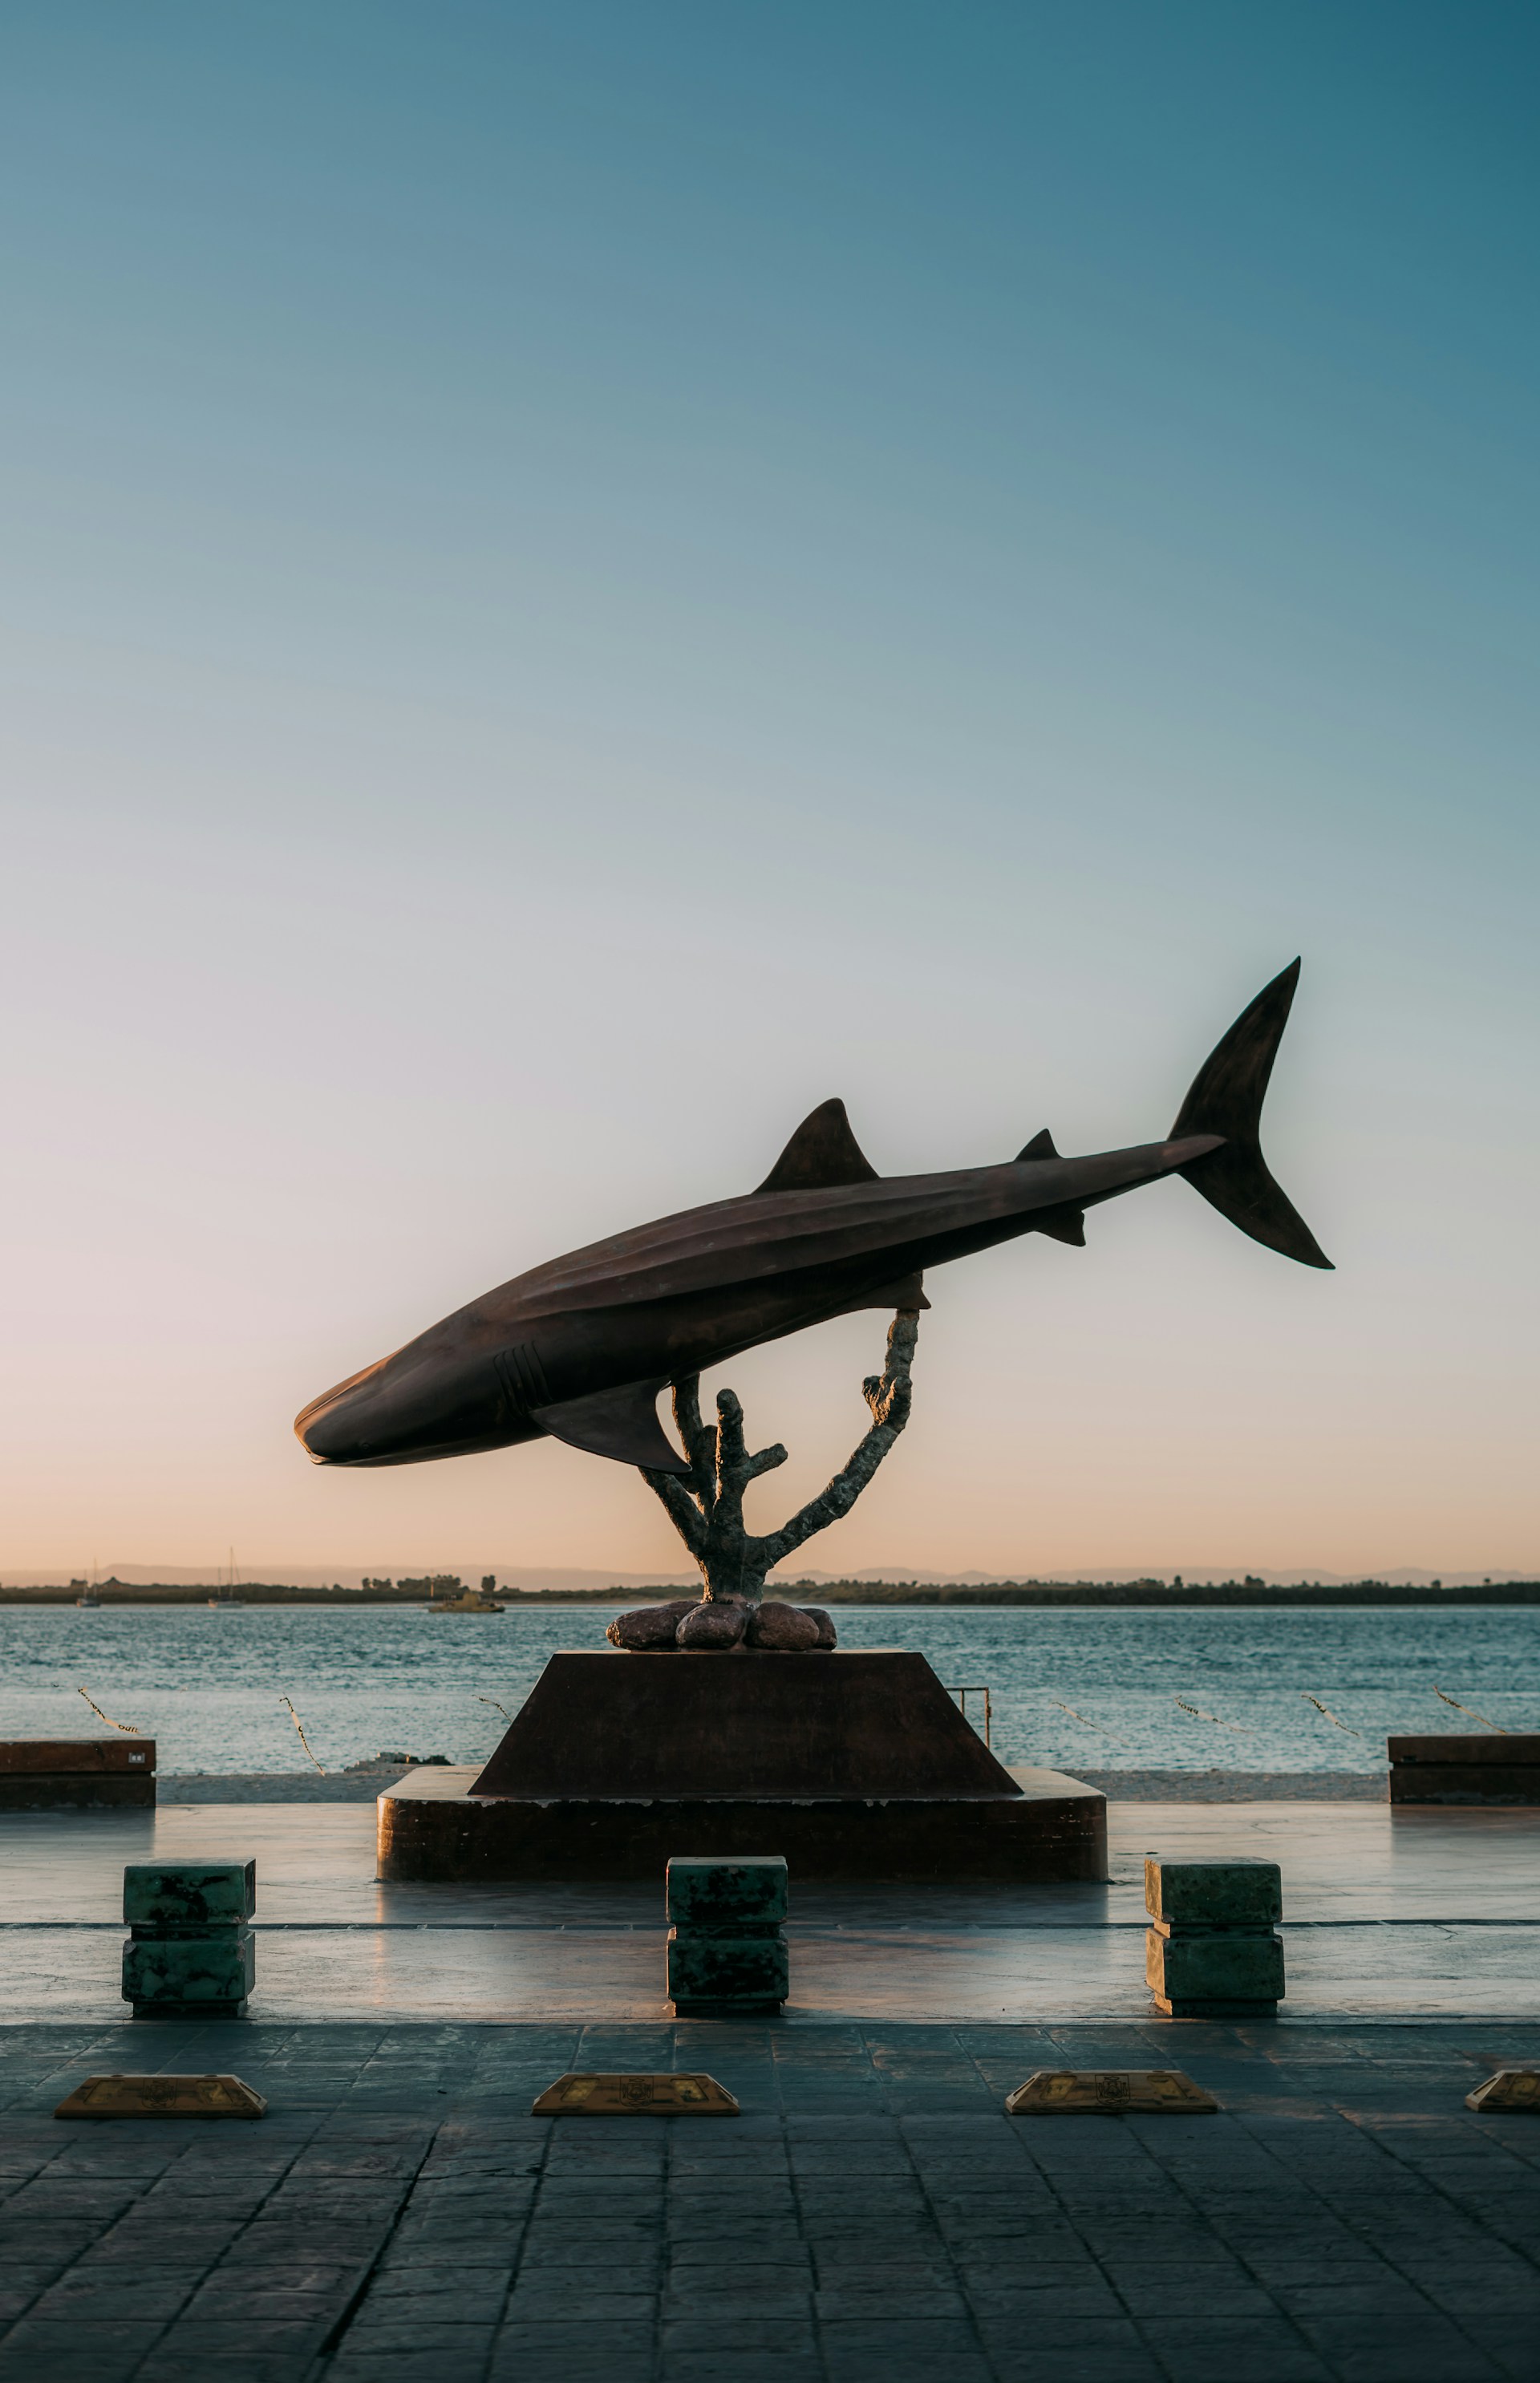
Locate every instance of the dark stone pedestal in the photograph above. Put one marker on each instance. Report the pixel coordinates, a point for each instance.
(854, 1766)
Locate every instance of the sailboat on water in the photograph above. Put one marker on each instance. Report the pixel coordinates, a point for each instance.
(226, 1601)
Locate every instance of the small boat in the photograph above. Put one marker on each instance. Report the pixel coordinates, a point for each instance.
(224, 1605)
(475, 1600)
(91, 1603)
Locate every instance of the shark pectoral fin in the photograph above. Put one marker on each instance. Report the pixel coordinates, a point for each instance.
(1041, 1147)
(1064, 1225)
(822, 1151)
(619, 1424)
(906, 1292)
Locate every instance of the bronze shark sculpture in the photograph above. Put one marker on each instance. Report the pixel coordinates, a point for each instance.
(580, 1348)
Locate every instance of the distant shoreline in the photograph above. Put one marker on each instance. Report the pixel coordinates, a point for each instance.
(1147, 1593)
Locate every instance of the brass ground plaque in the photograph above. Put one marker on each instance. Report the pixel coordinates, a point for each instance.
(161, 2097)
(1110, 2093)
(661, 2096)
(1510, 2089)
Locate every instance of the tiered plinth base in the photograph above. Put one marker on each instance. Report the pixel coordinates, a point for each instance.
(852, 1766)
(1053, 1830)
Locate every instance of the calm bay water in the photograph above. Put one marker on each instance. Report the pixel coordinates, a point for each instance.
(207, 1684)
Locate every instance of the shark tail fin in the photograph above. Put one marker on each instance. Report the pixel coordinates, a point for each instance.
(1226, 1098)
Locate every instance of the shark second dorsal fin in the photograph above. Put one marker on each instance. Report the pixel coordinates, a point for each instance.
(821, 1151)
(1041, 1147)
(1068, 1225)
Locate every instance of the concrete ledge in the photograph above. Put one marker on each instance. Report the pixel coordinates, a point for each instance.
(1050, 1829)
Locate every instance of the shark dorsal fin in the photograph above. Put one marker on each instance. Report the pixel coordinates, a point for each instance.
(821, 1151)
(1041, 1147)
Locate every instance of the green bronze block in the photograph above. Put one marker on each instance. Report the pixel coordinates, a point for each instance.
(1239, 1968)
(177, 1896)
(726, 1971)
(1194, 1894)
(740, 1895)
(201, 1972)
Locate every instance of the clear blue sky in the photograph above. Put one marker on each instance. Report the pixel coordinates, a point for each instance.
(578, 579)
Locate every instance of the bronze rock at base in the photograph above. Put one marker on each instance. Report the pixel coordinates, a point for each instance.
(713, 1628)
(783, 1629)
(650, 1629)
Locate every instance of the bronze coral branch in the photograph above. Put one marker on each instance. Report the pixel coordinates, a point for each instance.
(708, 1509)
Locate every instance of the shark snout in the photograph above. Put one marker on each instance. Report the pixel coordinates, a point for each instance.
(342, 1425)
(404, 1410)
(333, 1432)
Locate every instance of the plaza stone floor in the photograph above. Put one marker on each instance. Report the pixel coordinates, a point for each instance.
(872, 2216)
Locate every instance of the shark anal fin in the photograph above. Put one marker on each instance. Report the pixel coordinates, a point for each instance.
(1068, 1224)
(906, 1292)
(822, 1151)
(1041, 1147)
(620, 1424)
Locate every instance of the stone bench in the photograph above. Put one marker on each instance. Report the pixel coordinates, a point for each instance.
(51, 1774)
(1466, 1766)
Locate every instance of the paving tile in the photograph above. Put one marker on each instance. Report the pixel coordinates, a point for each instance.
(69, 2351)
(930, 2337)
(262, 2304)
(1175, 2291)
(522, 2349)
(105, 2297)
(766, 2295)
(373, 2336)
(531, 2300)
(1219, 2349)
(429, 2293)
(217, 2338)
(1025, 2304)
(871, 2362)
(251, 2365)
(1393, 2349)
(682, 2365)
(735, 2335)
(437, 2365)
(780, 2254)
(841, 2304)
